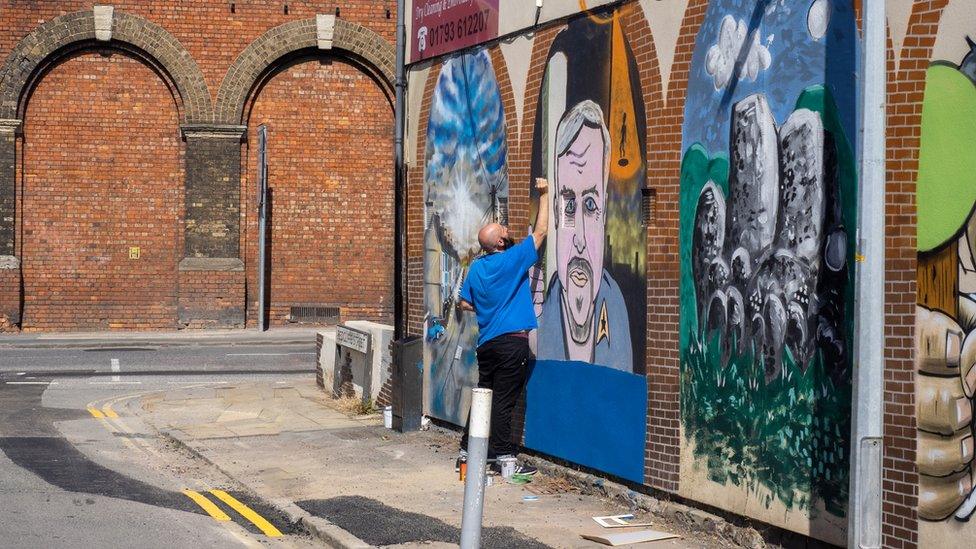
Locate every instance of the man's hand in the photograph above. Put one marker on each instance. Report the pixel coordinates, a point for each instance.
(541, 226)
(542, 185)
(465, 306)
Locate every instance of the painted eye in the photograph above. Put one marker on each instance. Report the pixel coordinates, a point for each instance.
(589, 204)
(570, 206)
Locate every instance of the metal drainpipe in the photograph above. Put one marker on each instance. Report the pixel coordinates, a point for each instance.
(399, 185)
(865, 505)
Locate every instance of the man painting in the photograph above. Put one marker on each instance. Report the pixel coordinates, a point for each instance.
(583, 317)
(497, 291)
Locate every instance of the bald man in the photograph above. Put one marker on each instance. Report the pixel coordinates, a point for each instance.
(496, 289)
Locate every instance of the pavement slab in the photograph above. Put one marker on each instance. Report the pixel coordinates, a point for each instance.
(343, 467)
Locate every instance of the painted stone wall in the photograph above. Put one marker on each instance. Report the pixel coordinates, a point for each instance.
(945, 380)
(768, 203)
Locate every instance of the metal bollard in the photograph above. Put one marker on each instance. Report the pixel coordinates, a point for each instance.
(474, 482)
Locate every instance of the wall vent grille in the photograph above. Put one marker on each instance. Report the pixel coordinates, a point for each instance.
(314, 313)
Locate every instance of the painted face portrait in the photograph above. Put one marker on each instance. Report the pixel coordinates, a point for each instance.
(579, 205)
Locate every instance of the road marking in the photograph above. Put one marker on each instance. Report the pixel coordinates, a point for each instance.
(206, 505)
(96, 413)
(197, 383)
(116, 368)
(29, 382)
(266, 354)
(115, 382)
(109, 412)
(248, 513)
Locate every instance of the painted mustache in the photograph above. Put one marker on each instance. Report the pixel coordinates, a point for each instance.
(580, 272)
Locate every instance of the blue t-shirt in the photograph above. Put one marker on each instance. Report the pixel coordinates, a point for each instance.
(498, 286)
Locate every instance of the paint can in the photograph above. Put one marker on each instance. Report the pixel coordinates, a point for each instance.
(388, 417)
(507, 466)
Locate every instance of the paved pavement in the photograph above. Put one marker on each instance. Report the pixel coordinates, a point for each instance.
(291, 444)
(130, 442)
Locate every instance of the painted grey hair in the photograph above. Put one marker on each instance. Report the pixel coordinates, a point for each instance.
(585, 113)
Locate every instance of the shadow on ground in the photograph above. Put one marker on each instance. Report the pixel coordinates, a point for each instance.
(379, 524)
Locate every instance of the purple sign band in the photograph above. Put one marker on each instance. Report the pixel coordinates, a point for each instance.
(443, 26)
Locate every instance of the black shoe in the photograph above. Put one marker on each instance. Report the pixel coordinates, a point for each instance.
(525, 469)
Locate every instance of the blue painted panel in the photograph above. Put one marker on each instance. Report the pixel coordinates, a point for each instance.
(586, 414)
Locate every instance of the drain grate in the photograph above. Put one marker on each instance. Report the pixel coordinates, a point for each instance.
(315, 313)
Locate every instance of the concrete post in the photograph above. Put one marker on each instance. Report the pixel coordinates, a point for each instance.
(474, 483)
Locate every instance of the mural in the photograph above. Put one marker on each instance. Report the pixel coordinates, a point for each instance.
(589, 141)
(767, 203)
(465, 187)
(590, 285)
(946, 312)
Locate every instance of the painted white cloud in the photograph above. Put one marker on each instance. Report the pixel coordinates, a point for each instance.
(818, 18)
(722, 57)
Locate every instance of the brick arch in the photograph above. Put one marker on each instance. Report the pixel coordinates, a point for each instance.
(253, 63)
(41, 47)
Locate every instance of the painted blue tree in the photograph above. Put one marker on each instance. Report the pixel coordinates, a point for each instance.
(465, 187)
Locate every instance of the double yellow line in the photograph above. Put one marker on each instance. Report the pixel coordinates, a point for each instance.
(104, 412)
(232, 502)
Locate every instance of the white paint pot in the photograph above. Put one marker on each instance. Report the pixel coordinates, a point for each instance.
(507, 466)
(388, 417)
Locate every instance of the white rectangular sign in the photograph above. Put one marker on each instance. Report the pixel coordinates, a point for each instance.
(353, 339)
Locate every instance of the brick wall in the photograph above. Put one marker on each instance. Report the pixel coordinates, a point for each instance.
(906, 86)
(190, 66)
(210, 32)
(102, 173)
(330, 172)
(415, 213)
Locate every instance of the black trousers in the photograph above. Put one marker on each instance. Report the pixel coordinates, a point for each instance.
(503, 365)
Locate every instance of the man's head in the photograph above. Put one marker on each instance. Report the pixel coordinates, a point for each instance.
(579, 203)
(493, 237)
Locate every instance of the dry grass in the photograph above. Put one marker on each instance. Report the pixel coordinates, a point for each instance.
(356, 406)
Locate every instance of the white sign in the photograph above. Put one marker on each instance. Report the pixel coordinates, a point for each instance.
(353, 339)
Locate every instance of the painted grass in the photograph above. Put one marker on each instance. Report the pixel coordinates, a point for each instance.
(789, 436)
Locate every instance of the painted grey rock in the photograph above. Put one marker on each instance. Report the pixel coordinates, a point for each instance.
(753, 176)
(757, 256)
(707, 241)
(801, 205)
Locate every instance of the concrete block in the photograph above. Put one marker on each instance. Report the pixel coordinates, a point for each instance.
(324, 31)
(381, 335)
(326, 359)
(103, 23)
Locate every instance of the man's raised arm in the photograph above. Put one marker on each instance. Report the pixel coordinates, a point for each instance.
(541, 226)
